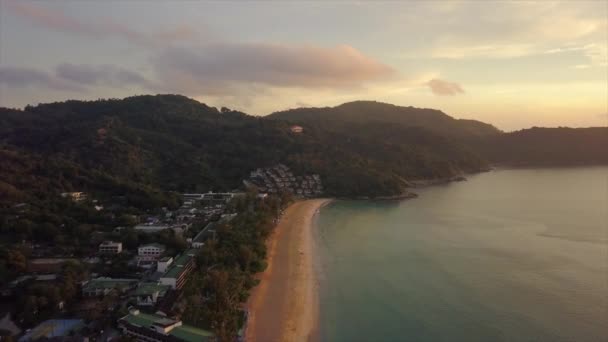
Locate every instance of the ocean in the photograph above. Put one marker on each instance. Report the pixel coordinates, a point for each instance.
(509, 255)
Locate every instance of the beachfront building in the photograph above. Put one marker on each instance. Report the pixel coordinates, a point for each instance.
(178, 271)
(156, 328)
(102, 286)
(148, 294)
(110, 247)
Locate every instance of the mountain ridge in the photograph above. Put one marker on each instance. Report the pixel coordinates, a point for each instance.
(151, 144)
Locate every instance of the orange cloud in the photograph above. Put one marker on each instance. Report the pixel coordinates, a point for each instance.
(212, 67)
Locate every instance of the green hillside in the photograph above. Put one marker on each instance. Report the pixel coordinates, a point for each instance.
(144, 147)
(171, 143)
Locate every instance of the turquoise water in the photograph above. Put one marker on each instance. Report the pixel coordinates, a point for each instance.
(509, 255)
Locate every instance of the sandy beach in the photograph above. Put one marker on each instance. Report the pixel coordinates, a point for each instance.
(284, 306)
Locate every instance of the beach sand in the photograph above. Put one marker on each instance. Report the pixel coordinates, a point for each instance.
(284, 306)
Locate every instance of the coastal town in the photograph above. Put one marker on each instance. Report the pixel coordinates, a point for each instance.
(129, 281)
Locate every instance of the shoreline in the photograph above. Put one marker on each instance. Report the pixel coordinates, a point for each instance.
(285, 304)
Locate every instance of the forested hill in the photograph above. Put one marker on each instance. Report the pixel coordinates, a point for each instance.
(548, 147)
(143, 147)
(365, 112)
(530, 147)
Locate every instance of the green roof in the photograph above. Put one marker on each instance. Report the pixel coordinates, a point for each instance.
(185, 332)
(108, 283)
(178, 265)
(190, 333)
(142, 319)
(149, 288)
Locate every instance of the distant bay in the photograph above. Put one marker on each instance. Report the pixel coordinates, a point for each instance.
(509, 255)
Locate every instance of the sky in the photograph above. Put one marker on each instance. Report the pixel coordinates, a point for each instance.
(514, 64)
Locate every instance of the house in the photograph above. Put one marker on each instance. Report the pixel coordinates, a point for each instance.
(156, 328)
(110, 247)
(102, 286)
(177, 273)
(150, 252)
(148, 294)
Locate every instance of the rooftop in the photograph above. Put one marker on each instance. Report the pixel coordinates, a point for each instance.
(53, 328)
(110, 243)
(108, 283)
(178, 265)
(51, 260)
(184, 332)
(157, 245)
(149, 288)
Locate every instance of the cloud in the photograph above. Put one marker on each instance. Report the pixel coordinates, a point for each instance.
(219, 69)
(90, 75)
(509, 29)
(485, 51)
(595, 53)
(213, 67)
(444, 88)
(71, 77)
(27, 77)
(103, 28)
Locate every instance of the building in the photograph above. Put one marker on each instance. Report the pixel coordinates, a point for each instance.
(155, 228)
(163, 264)
(53, 328)
(199, 240)
(48, 265)
(150, 252)
(110, 247)
(148, 294)
(210, 229)
(177, 273)
(296, 129)
(102, 286)
(74, 196)
(156, 328)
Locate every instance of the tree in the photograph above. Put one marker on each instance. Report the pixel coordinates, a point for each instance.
(224, 290)
(16, 261)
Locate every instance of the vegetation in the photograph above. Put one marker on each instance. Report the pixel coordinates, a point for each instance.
(144, 146)
(227, 264)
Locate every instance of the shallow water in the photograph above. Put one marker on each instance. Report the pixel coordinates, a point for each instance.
(509, 255)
